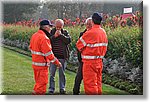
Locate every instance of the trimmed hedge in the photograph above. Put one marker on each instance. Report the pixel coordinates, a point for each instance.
(122, 41)
(21, 33)
(123, 85)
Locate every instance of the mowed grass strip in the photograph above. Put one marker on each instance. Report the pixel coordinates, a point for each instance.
(18, 76)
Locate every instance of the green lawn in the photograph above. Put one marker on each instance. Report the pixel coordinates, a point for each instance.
(18, 76)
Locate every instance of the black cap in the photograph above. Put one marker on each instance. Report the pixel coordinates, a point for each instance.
(45, 22)
(97, 18)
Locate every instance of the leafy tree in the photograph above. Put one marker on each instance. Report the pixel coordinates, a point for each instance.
(117, 8)
(14, 12)
(72, 9)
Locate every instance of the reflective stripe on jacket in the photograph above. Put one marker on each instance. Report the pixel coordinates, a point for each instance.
(41, 50)
(93, 44)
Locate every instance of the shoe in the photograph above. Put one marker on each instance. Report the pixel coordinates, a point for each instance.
(62, 92)
(50, 92)
(75, 93)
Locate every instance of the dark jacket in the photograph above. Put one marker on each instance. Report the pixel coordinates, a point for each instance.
(78, 52)
(60, 44)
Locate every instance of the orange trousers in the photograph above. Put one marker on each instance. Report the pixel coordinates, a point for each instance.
(41, 80)
(92, 78)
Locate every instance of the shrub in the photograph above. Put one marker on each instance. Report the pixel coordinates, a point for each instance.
(126, 41)
(117, 84)
(113, 82)
(21, 33)
(135, 90)
(122, 41)
(122, 84)
(122, 87)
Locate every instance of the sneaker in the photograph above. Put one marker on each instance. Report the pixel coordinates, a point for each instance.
(62, 92)
(51, 92)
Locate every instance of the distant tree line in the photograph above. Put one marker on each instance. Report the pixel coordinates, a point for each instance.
(80, 9)
(13, 12)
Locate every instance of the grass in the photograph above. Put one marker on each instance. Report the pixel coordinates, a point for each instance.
(18, 76)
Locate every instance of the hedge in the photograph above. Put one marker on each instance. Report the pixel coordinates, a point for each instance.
(123, 41)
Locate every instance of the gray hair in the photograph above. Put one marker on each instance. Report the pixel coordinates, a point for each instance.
(87, 20)
(59, 20)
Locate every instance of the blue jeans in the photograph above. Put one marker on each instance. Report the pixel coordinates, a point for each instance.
(62, 79)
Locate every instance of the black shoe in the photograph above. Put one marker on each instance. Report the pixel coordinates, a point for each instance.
(62, 92)
(50, 92)
(76, 93)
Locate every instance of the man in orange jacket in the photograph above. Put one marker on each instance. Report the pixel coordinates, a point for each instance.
(93, 47)
(42, 55)
(79, 75)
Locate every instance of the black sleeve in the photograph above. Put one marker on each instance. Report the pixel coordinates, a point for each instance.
(78, 52)
(52, 37)
(79, 56)
(82, 33)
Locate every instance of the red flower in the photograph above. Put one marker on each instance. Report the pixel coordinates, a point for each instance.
(123, 23)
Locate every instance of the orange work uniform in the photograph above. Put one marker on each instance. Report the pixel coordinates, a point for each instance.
(42, 55)
(93, 47)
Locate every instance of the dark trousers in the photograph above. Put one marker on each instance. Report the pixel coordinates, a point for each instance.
(78, 79)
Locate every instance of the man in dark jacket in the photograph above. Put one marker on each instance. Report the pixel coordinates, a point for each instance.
(60, 39)
(79, 77)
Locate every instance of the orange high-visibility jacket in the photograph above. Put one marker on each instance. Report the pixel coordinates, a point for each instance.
(93, 44)
(41, 50)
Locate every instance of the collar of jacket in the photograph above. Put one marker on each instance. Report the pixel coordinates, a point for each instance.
(46, 32)
(96, 26)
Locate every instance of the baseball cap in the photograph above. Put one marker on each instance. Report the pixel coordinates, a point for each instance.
(97, 17)
(45, 22)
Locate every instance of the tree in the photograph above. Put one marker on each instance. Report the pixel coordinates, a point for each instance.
(71, 10)
(14, 12)
(117, 8)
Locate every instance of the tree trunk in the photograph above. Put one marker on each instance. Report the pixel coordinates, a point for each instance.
(80, 10)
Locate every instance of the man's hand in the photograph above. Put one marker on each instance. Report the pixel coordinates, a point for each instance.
(59, 65)
(57, 33)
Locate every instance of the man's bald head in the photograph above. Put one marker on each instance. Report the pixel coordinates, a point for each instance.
(88, 23)
(59, 23)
